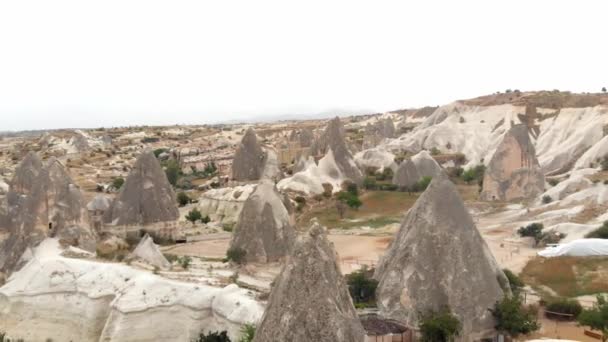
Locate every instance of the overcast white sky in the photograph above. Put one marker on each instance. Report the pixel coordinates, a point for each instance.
(109, 63)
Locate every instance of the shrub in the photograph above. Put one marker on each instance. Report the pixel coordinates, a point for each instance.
(438, 326)
(600, 233)
(435, 151)
(512, 318)
(422, 184)
(159, 151)
(172, 171)
(185, 262)
(515, 282)
(205, 219)
(534, 230)
(389, 187)
(474, 173)
(369, 183)
(247, 333)
(117, 183)
(327, 190)
(604, 163)
(183, 199)
(547, 199)
(194, 215)
(597, 317)
(300, 199)
(553, 181)
(352, 188)
(564, 306)
(236, 254)
(228, 227)
(213, 337)
(362, 287)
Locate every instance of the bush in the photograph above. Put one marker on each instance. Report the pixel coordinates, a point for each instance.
(553, 182)
(159, 151)
(564, 306)
(183, 199)
(194, 215)
(597, 317)
(474, 173)
(117, 183)
(236, 254)
(435, 151)
(184, 262)
(205, 219)
(228, 227)
(547, 199)
(600, 233)
(512, 318)
(515, 282)
(350, 199)
(604, 163)
(534, 230)
(213, 337)
(247, 333)
(437, 326)
(369, 183)
(362, 287)
(300, 199)
(352, 188)
(422, 184)
(172, 172)
(327, 190)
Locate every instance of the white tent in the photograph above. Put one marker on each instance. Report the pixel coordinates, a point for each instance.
(580, 247)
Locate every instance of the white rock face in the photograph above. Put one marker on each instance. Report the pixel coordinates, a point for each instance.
(148, 251)
(81, 300)
(378, 158)
(567, 187)
(224, 205)
(563, 135)
(310, 180)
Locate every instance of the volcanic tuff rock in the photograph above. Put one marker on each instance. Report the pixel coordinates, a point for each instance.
(312, 287)
(146, 196)
(304, 137)
(43, 201)
(438, 258)
(264, 229)
(407, 174)
(378, 131)
(249, 158)
(224, 205)
(148, 251)
(426, 165)
(334, 139)
(514, 172)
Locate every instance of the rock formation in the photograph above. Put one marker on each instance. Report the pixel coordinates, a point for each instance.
(304, 137)
(377, 158)
(43, 201)
(438, 258)
(334, 139)
(406, 175)
(148, 251)
(378, 131)
(309, 300)
(249, 158)
(264, 230)
(426, 165)
(146, 197)
(513, 172)
(224, 205)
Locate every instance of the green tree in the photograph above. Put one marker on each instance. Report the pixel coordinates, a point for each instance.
(117, 183)
(205, 219)
(597, 317)
(515, 283)
(439, 326)
(213, 337)
(194, 215)
(183, 199)
(362, 286)
(236, 255)
(600, 233)
(423, 183)
(512, 318)
(172, 171)
(534, 230)
(247, 332)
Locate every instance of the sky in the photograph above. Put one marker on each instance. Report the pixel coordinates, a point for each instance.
(114, 63)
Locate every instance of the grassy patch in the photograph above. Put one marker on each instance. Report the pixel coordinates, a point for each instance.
(568, 276)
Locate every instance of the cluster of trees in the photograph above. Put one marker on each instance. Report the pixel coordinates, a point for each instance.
(362, 287)
(535, 231)
(348, 198)
(247, 334)
(195, 215)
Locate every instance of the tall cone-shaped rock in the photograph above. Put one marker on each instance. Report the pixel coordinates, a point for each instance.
(514, 172)
(334, 139)
(406, 175)
(264, 229)
(146, 196)
(304, 137)
(43, 201)
(249, 158)
(438, 259)
(310, 300)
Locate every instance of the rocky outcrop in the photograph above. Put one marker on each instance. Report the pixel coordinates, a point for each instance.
(375, 158)
(146, 197)
(304, 137)
(264, 230)
(378, 131)
(334, 139)
(406, 175)
(224, 205)
(513, 172)
(438, 258)
(315, 293)
(249, 158)
(43, 201)
(426, 165)
(85, 300)
(148, 251)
